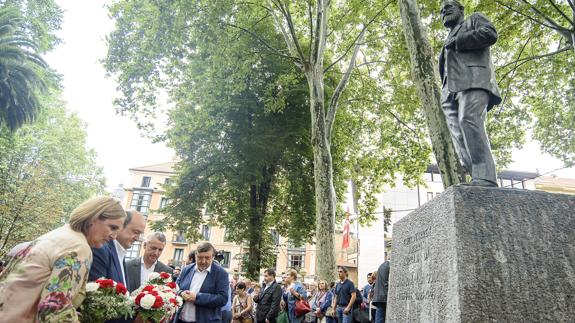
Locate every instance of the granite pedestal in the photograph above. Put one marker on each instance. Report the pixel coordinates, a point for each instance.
(477, 254)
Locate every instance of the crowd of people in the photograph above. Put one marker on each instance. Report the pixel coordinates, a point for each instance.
(45, 279)
(340, 301)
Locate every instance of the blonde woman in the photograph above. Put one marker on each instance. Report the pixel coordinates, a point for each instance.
(45, 281)
(322, 301)
(295, 291)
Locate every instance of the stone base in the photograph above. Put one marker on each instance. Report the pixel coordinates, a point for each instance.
(478, 254)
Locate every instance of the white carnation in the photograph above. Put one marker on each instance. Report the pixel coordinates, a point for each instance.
(153, 275)
(92, 287)
(147, 301)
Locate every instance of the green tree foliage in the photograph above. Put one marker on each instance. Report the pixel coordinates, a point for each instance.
(45, 172)
(191, 51)
(536, 68)
(40, 21)
(21, 72)
(240, 126)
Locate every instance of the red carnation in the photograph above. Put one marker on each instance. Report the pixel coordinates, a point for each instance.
(158, 303)
(172, 285)
(105, 283)
(121, 289)
(164, 275)
(173, 301)
(139, 297)
(148, 288)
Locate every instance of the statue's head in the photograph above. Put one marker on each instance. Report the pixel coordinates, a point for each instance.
(452, 12)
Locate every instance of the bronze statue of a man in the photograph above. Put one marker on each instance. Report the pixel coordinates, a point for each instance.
(469, 89)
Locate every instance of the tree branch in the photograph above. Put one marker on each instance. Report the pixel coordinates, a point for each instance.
(530, 58)
(544, 16)
(311, 30)
(320, 37)
(332, 108)
(261, 40)
(378, 104)
(572, 5)
(290, 43)
(354, 43)
(561, 12)
(514, 69)
(524, 15)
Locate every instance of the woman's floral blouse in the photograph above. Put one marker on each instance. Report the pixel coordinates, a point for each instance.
(45, 281)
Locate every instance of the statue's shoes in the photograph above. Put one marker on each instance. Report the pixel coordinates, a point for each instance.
(480, 182)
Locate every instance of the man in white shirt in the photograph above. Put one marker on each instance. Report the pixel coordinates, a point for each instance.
(109, 260)
(140, 268)
(204, 288)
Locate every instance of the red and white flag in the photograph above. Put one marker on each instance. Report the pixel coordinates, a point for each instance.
(345, 241)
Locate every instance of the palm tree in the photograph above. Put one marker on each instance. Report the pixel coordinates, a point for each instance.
(21, 70)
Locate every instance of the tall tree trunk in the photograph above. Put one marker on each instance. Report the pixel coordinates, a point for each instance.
(323, 177)
(426, 78)
(259, 196)
(254, 235)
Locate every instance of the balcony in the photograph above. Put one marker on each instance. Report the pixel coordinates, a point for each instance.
(179, 239)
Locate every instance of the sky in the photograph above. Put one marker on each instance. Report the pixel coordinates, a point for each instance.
(117, 141)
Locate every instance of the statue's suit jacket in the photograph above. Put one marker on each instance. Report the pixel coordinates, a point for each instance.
(133, 271)
(469, 65)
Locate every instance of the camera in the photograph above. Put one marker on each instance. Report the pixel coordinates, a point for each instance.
(219, 256)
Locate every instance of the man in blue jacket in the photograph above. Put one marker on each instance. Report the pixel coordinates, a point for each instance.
(204, 287)
(109, 260)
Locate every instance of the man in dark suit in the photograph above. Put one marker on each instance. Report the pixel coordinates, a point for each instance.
(109, 260)
(139, 268)
(204, 287)
(268, 299)
(380, 292)
(469, 88)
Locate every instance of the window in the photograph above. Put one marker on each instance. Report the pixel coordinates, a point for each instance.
(134, 251)
(429, 196)
(146, 181)
(178, 254)
(141, 201)
(436, 178)
(296, 260)
(179, 238)
(205, 232)
(428, 177)
(226, 261)
(168, 181)
(163, 202)
(275, 237)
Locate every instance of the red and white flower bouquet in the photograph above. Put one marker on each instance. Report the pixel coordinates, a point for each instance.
(158, 300)
(105, 300)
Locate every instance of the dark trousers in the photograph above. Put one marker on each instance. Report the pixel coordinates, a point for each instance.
(271, 321)
(380, 312)
(180, 321)
(465, 113)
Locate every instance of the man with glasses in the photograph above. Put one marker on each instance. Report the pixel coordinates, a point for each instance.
(345, 296)
(204, 287)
